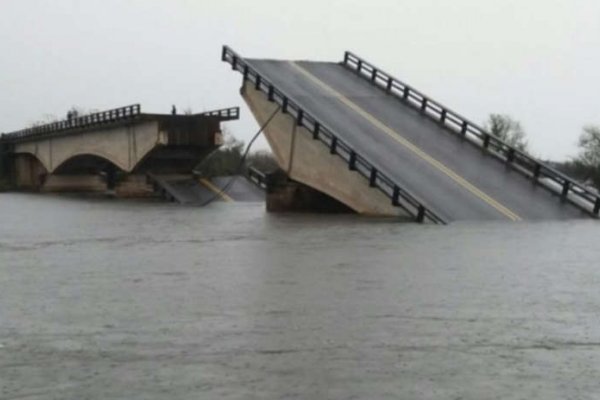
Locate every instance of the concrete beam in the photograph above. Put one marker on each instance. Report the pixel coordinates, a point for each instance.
(124, 146)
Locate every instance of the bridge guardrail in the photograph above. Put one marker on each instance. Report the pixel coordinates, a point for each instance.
(570, 189)
(230, 113)
(377, 179)
(257, 177)
(84, 121)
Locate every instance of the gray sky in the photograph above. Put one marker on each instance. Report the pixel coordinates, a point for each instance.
(537, 60)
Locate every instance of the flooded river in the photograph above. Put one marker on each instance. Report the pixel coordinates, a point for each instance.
(108, 299)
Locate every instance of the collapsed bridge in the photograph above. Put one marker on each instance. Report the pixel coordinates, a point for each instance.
(375, 144)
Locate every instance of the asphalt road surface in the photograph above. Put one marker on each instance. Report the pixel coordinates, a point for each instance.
(452, 177)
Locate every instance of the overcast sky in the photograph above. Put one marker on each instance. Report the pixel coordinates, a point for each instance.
(536, 60)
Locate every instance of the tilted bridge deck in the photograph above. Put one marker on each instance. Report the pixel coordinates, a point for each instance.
(428, 159)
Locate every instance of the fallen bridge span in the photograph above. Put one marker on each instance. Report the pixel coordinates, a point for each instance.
(425, 160)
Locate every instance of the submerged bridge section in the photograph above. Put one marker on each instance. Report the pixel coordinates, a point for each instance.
(113, 150)
(380, 146)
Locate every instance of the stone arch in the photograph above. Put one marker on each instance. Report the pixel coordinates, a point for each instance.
(39, 157)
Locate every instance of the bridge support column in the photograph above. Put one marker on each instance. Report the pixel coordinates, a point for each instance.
(111, 177)
(286, 195)
(29, 173)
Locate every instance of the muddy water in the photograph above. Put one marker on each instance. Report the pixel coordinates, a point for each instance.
(122, 300)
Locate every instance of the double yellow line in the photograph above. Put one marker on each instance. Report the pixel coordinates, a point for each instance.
(410, 146)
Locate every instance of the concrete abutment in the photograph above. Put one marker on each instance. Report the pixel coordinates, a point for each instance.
(309, 164)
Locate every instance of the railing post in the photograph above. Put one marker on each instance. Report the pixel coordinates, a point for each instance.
(597, 206)
(352, 161)
(224, 54)
(486, 141)
(316, 130)
(388, 87)
(421, 214)
(463, 128)
(443, 116)
(424, 104)
(271, 92)
(284, 106)
(511, 155)
(565, 189)
(359, 66)
(257, 82)
(395, 196)
(234, 63)
(300, 117)
(536, 171)
(246, 72)
(406, 93)
(333, 145)
(374, 74)
(346, 57)
(373, 177)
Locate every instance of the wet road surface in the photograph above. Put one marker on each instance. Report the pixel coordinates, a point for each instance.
(453, 178)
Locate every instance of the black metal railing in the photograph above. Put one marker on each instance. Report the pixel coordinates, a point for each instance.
(230, 113)
(81, 122)
(565, 187)
(257, 177)
(377, 179)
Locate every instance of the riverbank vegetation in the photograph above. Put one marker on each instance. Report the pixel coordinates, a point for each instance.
(229, 159)
(509, 130)
(584, 167)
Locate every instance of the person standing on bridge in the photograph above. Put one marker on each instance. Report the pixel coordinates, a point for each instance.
(174, 110)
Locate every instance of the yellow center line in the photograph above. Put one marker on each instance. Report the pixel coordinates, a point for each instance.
(215, 190)
(410, 146)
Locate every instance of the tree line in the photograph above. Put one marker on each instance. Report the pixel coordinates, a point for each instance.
(229, 159)
(585, 166)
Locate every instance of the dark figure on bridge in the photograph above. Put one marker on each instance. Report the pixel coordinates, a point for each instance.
(174, 110)
(71, 115)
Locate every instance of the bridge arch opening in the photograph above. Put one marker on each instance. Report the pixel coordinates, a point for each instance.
(92, 166)
(83, 164)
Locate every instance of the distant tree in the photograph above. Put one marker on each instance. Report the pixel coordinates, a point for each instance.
(226, 160)
(262, 160)
(508, 130)
(589, 145)
(44, 120)
(73, 112)
(77, 111)
(588, 159)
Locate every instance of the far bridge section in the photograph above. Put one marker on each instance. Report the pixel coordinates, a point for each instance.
(112, 150)
(381, 147)
(201, 191)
